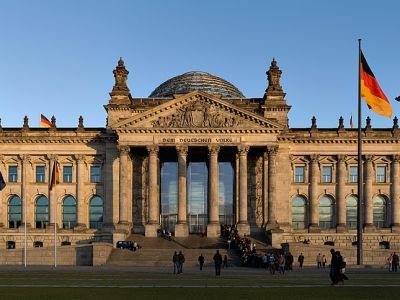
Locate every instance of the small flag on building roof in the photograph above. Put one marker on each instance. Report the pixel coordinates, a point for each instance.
(351, 122)
(2, 182)
(44, 122)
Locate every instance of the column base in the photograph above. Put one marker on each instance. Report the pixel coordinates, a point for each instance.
(395, 227)
(213, 230)
(275, 237)
(181, 230)
(123, 227)
(272, 225)
(80, 227)
(369, 227)
(150, 230)
(341, 228)
(243, 229)
(314, 228)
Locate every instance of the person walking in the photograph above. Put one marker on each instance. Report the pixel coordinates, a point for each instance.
(301, 260)
(181, 260)
(319, 260)
(323, 261)
(225, 262)
(395, 262)
(175, 262)
(218, 262)
(201, 261)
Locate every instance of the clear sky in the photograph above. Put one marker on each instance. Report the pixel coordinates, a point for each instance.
(57, 57)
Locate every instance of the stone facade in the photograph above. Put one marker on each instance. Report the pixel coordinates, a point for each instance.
(273, 164)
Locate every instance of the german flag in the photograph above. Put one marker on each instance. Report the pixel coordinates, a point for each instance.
(44, 122)
(55, 175)
(372, 92)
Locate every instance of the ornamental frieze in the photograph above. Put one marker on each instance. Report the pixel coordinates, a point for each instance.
(197, 114)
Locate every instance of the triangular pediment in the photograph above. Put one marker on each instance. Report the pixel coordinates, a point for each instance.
(197, 110)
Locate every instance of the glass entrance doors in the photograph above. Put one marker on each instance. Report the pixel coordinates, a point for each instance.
(169, 195)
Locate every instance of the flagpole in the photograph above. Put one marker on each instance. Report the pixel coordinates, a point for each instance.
(55, 212)
(359, 168)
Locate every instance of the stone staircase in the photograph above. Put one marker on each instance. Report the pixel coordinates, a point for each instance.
(158, 251)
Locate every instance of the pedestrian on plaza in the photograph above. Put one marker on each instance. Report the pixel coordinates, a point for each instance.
(181, 260)
(175, 262)
(319, 260)
(225, 262)
(281, 261)
(395, 262)
(390, 262)
(229, 243)
(301, 260)
(291, 260)
(323, 261)
(218, 262)
(201, 261)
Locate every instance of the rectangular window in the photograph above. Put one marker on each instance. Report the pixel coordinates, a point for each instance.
(299, 174)
(327, 174)
(353, 175)
(381, 174)
(67, 174)
(13, 174)
(40, 173)
(95, 175)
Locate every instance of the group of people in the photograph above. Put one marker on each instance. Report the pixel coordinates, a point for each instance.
(321, 261)
(337, 268)
(393, 262)
(278, 262)
(178, 259)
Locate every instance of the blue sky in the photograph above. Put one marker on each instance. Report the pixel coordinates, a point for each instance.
(57, 57)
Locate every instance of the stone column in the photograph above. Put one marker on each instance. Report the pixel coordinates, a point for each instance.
(243, 225)
(395, 190)
(123, 187)
(265, 189)
(153, 205)
(369, 175)
(340, 196)
(313, 194)
(26, 162)
(82, 222)
(272, 196)
(181, 228)
(213, 227)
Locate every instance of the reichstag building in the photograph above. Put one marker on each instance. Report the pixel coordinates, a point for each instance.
(195, 154)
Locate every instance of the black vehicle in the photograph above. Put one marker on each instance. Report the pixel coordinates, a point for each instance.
(125, 245)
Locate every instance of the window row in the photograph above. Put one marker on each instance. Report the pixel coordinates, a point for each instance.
(40, 174)
(327, 174)
(327, 212)
(69, 212)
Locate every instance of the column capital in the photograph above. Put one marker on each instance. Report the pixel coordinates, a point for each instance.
(272, 149)
(152, 149)
(182, 150)
(124, 149)
(368, 158)
(25, 158)
(243, 149)
(314, 158)
(52, 157)
(341, 158)
(395, 158)
(80, 158)
(213, 149)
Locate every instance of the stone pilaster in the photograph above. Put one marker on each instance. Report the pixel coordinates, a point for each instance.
(265, 189)
(213, 227)
(272, 195)
(153, 219)
(123, 222)
(181, 228)
(313, 194)
(395, 193)
(243, 225)
(80, 185)
(340, 194)
(369, 175)
(53, 203)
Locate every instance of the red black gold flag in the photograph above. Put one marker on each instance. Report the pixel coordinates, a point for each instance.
(55, 175)
(372, 92)
(44, 122)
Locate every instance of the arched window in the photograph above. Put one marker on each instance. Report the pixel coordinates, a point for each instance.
(298, 212)
(42, 212)
(69, 212)
(380, 212)
(96, 212)
(351, 212)
(326, 212)
(14, 212)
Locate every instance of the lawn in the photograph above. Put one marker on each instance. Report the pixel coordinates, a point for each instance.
(235, 283)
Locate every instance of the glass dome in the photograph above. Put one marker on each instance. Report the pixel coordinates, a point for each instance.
(196, 81)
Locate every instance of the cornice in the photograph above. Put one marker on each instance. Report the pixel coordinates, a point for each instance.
(196, 131)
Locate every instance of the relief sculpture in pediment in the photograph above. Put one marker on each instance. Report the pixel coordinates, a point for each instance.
(197, 114)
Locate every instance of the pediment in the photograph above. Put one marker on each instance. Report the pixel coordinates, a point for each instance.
(197, 110)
